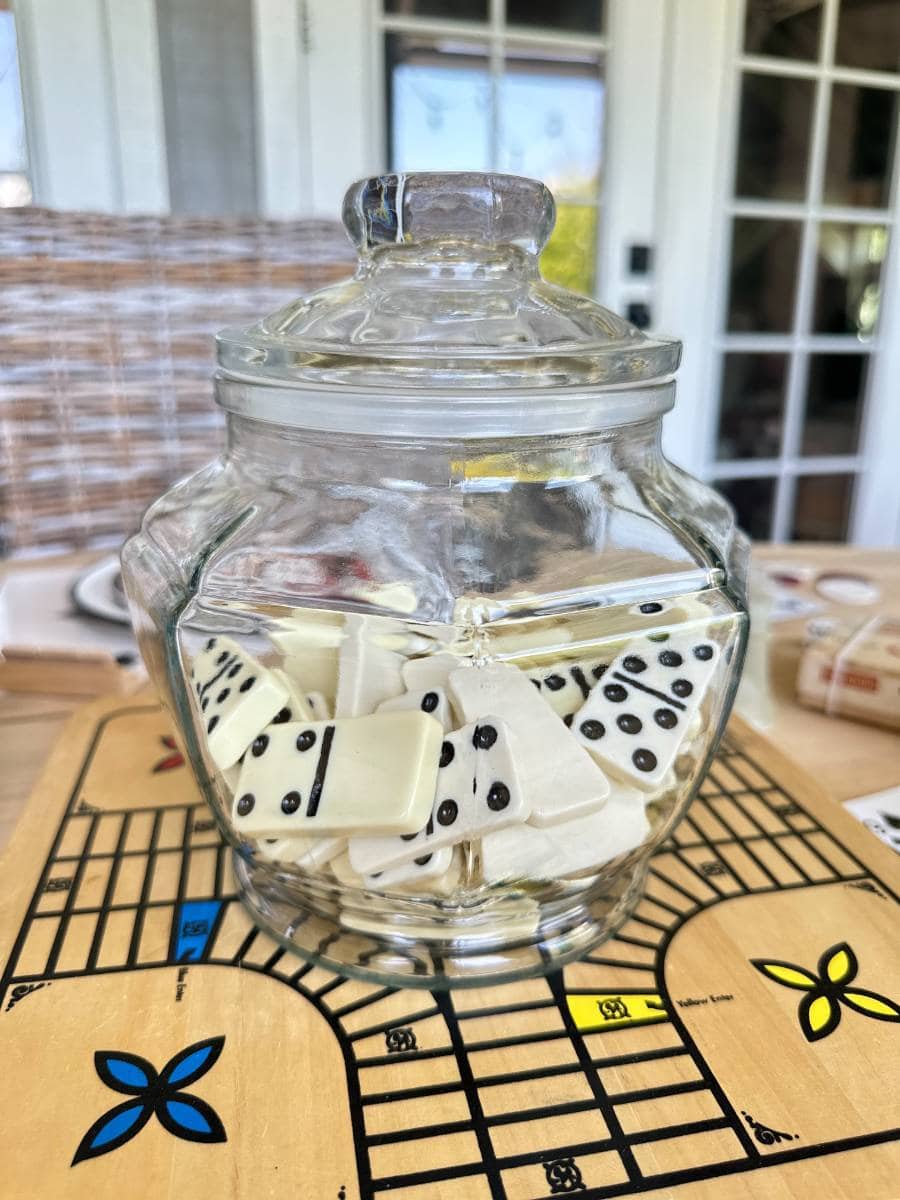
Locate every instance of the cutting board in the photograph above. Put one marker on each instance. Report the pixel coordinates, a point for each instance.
(738, 1038)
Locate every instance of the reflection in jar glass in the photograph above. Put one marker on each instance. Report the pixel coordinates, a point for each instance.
(848, 277)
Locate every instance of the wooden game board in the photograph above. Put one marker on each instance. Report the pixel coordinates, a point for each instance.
(671, 1062)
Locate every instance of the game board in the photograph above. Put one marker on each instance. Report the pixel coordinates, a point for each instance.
(738, 1038)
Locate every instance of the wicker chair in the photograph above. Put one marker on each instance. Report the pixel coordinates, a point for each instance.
(107, 353)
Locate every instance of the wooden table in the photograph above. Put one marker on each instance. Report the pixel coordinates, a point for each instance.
(847, 758)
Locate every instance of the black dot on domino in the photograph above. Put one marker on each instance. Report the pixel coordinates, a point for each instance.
(306, 740)
(644, 760)
(615, 692)
(211, 724)
(498, 797)
(704, 652)
(634, 664)
(599, 671)
(291, 802)
(682, 687)
(537, 683)
(204, 704)
(665, 718)
(210, 644)
(629, 723)
(245, 804)
(555, 682)
(567, 720)
(447, 812)
(223, 695)
(651, 607)
(484, 737)
(409, 837)
(424, 860)
(670, 658)
(282, 718)
(235, 670)
(429, 702)
(221, 658)
(447, 754)
(259, 745)
(248, 683)
(592, 730)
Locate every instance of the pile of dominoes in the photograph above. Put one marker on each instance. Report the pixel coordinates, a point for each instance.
(546, 773)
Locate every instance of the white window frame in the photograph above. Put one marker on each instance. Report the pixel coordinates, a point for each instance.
(706, 62)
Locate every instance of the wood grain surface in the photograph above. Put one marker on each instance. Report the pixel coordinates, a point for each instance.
(673, 1061)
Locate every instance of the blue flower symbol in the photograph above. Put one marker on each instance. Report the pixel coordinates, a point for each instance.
(182, 1114)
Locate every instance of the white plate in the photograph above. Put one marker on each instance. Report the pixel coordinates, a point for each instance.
(95, 592)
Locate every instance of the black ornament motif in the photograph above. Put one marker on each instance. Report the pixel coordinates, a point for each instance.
(150, 1092)
(766, 1136)
(398, 1041)
(613, 1009)
(712, 868)
(57, 885)
(866, 885)
(563, 1176)
(21, 990)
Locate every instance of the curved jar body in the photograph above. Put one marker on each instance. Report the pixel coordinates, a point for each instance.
(444, 686)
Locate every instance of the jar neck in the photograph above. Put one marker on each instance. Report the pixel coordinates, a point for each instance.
(267, 451)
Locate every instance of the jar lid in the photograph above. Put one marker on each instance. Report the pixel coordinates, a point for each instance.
(446, 316)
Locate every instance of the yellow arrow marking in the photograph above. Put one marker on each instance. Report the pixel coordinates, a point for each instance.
(612, 1010)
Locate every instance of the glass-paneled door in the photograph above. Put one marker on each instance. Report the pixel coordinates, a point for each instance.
(799, 409)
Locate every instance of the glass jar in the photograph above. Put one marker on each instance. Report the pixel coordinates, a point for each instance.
(449, 642)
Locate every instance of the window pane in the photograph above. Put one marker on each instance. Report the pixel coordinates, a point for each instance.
(439, 99)
(751, 407)
(551, 127)
(754, 501)
(788, 30)
(834, 400)
(773, 136)
(868, 35)
(860, 143)
(848, 273)
(822, 508)
(763, 275)
(460, 10)
(584, 15)
(570, 256)
(551, 121)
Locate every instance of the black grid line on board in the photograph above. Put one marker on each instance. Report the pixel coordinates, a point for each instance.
(753, 812)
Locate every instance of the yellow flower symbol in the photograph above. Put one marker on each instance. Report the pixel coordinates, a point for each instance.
(820, 1008)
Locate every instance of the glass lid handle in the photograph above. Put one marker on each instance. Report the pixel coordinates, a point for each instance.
(485, 209)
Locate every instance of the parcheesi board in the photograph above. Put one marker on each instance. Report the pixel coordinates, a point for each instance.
(739, 1038)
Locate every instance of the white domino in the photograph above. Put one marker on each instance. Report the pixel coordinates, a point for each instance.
(309, 853)
(560, 779)
(428, 865)
(332, 778)
(318, 706)
(433, 701)
(585, 844)
(566, 685)
(369, 672)
(237, 697)
(309, 643)
(641, 712)
(431, 671)
(478, 789)
(298, 707)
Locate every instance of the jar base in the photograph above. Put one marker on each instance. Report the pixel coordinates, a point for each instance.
(513, 938)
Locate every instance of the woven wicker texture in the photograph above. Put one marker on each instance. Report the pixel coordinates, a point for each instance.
(107, 327)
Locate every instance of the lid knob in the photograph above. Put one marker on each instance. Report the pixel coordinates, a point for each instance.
(488, 209)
